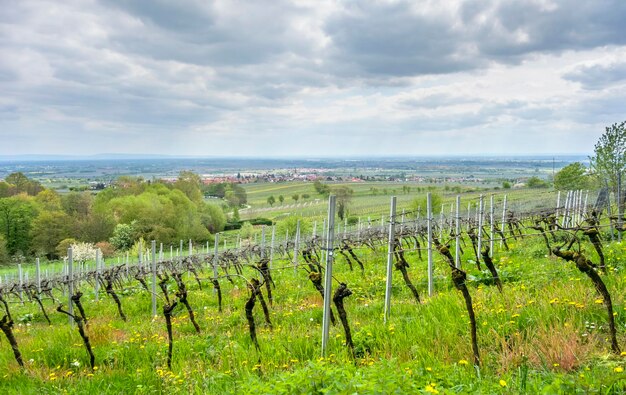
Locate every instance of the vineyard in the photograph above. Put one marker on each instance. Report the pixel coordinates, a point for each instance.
(491, 295)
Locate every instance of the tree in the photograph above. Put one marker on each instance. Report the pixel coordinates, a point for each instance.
(321, 188)
(419, 205)
(609, 157)
(536, 182)
(571, 177)
(344, 196)
(16, 215)
(295, 197)
(23, 184)
(247, 231)
(48, 230)
(290, 224)
(190, 183)
(506, 185)
(123, 236)
(271, 200)
(4, 253)
(281, 199)
(49, 200)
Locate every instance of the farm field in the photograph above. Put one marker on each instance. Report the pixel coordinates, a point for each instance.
(546, 332)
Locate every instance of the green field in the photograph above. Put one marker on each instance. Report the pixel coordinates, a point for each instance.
(545, 333)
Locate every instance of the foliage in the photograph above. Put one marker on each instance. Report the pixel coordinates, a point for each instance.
(506, 185)
(4, 253)
(609, 157)
(536, 182)
(418, 205)
(281, 199)
(106, 248)
(295, 197)
(246, 231)
(321, 188)
(344, 196)
(190, 184)
(123, 236)
(213, 217)
(16, 183)
(290, 224)
(165, 214)
(16, 216)
(233, 193)
(48, 229)
(261, 221)
(61, 249)
(572, 177)
(271, 200)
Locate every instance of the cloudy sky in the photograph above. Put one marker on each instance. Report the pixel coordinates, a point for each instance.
(311, 77)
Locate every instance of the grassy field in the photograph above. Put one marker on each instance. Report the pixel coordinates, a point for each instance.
(545, 333)
(364, 203)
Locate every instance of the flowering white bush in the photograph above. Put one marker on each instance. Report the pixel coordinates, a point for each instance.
(82, 252)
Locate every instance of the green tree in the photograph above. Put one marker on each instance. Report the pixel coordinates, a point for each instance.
(506, 185)
(123, 236)
(213, 217)
(4, 252)
(290, 224)
(48, 230)
(419, 205)
(23, 184)
(344, 197)
(295, 197)
(571, 177)
(190, 183)
(609, 157)
(281, 199)
(535, 182)
(247, 231)
(321, 188)
(64, 244)
(271, 200)
(16, 215)
(49, 200)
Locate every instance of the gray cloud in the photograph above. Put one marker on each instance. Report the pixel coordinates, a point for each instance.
(599, 75)
(258, 74)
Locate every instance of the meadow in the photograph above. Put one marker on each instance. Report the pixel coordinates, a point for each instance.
(546, 332)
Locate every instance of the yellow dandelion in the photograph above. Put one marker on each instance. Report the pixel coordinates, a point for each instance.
(463, 362)
(618, 369)
(502, 383)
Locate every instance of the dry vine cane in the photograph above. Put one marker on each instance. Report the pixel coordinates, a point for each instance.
(182, 297)
(35, 295)
(585, 266)
(6, 325)
(167, 313)
(492, 269)
(401, 265)
(250, 317)
(341, 293)
(108, 286)
(76, 299)
(81, 331)
(458, 279)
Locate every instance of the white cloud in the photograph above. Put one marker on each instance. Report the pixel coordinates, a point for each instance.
(314, 77)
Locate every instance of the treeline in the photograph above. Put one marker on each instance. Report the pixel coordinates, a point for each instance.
(35, 221)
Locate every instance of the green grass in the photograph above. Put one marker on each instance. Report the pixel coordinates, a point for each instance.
(545, 333)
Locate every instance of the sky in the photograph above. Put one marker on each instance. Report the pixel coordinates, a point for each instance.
(310, 78)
